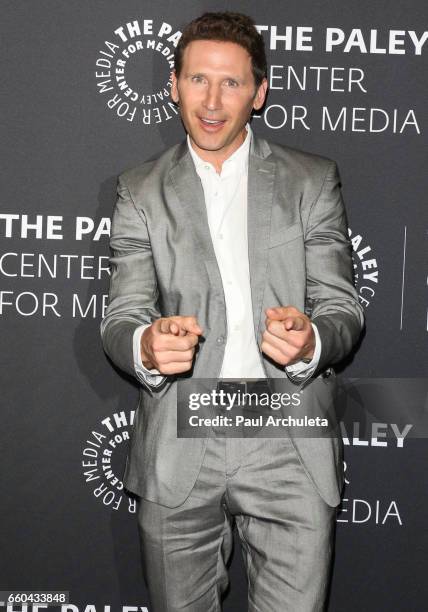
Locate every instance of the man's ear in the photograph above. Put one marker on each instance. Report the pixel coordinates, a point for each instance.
(174, 87)
(260, 96)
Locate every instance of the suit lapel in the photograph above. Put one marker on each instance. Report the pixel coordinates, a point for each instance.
(261, 179)
(190, 194)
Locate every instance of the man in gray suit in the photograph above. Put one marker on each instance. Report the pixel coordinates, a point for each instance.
(231, 260)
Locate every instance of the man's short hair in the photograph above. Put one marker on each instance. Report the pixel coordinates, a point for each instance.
(226, 27)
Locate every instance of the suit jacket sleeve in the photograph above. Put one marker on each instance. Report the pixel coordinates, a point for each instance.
(133, 289)
(332, 300)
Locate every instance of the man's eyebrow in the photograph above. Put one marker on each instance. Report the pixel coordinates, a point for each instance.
(224, 76)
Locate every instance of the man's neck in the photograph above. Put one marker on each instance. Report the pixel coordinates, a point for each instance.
(217, 158)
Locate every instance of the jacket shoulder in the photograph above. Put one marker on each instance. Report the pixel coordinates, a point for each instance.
(151, 170)
(301, 163)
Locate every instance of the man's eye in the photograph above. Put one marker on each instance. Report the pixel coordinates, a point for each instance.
(197, 79)
(231, 83)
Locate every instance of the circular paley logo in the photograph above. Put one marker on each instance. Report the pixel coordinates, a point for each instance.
(133, 71)
(103, 460)
(366, 271)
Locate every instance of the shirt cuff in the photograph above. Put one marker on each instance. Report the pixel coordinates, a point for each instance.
(304, 370)
(152, 378)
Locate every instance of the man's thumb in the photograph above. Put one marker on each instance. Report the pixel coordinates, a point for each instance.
(293, 323)
(191, 325)
(277, 314)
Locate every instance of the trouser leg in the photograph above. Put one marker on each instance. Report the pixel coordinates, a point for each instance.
(185, 549)
(286, 529)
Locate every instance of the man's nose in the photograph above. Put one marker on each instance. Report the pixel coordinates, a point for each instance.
(213, 97)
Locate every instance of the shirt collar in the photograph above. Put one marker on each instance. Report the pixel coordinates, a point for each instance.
(238, 159)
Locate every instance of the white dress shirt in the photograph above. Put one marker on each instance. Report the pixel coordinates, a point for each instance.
(226, 203)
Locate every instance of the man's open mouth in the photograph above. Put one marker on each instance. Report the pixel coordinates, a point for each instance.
(207, 121)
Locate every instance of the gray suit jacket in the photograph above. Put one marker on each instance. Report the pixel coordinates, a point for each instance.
(164, 264)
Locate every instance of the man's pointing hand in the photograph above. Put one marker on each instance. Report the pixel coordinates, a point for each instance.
(289, 336)
(169, 344)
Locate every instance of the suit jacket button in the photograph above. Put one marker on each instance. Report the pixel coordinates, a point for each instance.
(220, 340)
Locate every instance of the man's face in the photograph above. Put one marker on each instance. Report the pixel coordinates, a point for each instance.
(216, 92)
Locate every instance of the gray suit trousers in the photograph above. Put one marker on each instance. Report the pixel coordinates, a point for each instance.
(286, 531)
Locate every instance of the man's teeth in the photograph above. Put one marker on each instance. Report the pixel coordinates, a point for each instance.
(210, 121)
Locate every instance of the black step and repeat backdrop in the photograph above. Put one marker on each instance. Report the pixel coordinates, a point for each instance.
(86, 93)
